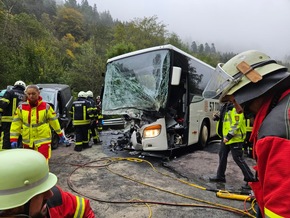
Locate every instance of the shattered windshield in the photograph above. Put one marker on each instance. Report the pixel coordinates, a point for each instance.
(137, 83)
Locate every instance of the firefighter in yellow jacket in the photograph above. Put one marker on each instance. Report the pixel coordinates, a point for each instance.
(232, 129)
(33, 119)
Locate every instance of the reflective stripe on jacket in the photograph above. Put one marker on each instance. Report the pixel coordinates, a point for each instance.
(64, 204)
(9, 103)
(33, 123)
(249, 126)
(9, 118)
(81, 112)
(234, 126)
(93, 108)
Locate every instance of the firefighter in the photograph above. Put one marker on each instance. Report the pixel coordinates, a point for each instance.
(100, 115)
(93, 125)
(81, 115)
(99, 102)
(34, 119)
(260, 87)
(28, 189)
(233, 134)
(8, 105)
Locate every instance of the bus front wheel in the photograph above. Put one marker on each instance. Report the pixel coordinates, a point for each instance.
(203, 135)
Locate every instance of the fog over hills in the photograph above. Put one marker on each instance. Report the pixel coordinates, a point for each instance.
(233, 26)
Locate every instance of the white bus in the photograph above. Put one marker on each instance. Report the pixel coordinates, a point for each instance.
(159, 90)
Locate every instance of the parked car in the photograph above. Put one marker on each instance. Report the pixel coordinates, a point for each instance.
(2, 92)
(59, 96)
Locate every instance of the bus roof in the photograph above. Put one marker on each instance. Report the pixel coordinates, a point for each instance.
(168, 46)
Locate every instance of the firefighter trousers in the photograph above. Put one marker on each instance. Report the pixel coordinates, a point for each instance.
(237, 154)
(6, 135)
(82, 135)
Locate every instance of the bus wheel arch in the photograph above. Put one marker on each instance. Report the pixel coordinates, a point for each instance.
(204, 134)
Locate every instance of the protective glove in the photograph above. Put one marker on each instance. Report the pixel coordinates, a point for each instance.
(63, 140)
(14, 144)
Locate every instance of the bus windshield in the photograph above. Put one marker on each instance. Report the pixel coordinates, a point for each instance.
(137, 83)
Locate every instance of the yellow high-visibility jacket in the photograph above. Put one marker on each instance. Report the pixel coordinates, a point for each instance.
(33, 123)
(249, 125)
(234, 127)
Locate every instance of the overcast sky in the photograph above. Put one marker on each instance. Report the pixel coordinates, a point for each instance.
(232, 25)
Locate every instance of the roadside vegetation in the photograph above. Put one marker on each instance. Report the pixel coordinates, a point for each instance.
(45, 42)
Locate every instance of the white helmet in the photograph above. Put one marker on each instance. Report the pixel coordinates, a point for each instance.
(24, 176)
(247, 75)
(82, 94)
(90, 93)
(20, 83)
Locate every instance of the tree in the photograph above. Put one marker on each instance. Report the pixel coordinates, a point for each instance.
(120, 48)
(22, 49)
(29, 26)
(91, 16)
(151, 31)
(69, 20)
(86, 70)
(212, 49)
(47, 22)
(68, 49)
(106, 18)
(40, 63)
(194, 47)
(71, 4)
(142, 33)
(32, 7)
(174, 39)
(102, 37)
(200, 48)
(206, 48)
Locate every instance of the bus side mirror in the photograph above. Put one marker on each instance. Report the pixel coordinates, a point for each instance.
(176, 74)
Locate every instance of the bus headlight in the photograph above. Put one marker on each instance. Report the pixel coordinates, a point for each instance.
(152, 131)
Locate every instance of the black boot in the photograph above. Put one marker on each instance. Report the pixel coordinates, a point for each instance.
(217, 179)
(246, 186)
(78, 148)
(86, 145)
(97, 141)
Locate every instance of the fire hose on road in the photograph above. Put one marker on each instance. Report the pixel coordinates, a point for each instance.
(107, 162)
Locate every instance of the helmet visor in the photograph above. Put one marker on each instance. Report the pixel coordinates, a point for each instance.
(220, 82)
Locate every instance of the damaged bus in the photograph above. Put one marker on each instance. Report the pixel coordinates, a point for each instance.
(159, 90)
